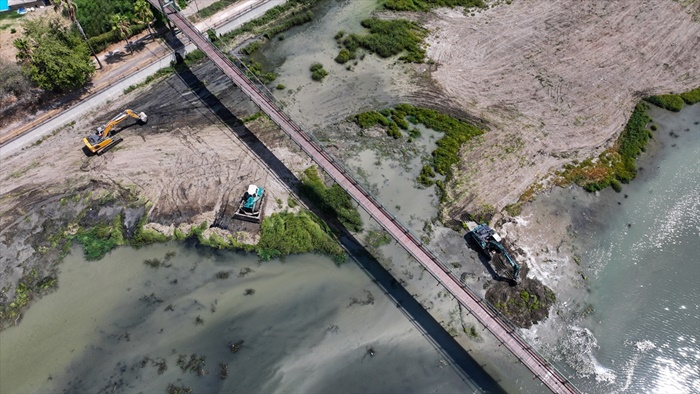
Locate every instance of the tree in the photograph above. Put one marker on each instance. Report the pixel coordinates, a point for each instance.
(53, 56)
(68, 8)
(121, 25)
(144, 14)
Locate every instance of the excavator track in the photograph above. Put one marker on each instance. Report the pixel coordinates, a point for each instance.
(110, 146)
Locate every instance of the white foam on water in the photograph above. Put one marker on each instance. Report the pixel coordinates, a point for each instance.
(577, 348)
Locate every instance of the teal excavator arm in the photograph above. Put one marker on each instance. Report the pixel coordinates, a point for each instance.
(516, 267)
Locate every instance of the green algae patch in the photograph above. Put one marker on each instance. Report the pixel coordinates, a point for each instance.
(456, 132)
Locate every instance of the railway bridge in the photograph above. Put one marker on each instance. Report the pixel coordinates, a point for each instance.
(489, 317)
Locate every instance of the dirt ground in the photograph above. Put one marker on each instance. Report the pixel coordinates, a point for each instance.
(556, 81)
(191, 157)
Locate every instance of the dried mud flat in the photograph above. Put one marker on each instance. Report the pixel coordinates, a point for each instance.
(555, 81)
(191, 157)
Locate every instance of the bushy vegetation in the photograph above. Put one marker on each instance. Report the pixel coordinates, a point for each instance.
(53, 56)
(344, 56)
(95, 15)
(426, 176)
(101, 239)
(318, 72)
(615, 165)
(371, 118)
(285, 233)
(671, 102)
(387, 38)
(12, 81)
(332, 200)
(425, 5)
(213, 8)
(270, 15)
(256, 70)
(101, 42)
(288, 23)
(692, 96)
(252, 47)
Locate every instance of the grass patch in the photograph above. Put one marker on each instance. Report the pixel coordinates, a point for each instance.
(376, 239)
(285, 233)
(252, 47)
(332, 200)
(297, 19)
(671, 102)
(388, 38)
(255, 68)
(426, 5)
(692, 96)
(618, 163)
(344, 56)
(318, 72)
(252, 117)
(212, 9)
(271, 15)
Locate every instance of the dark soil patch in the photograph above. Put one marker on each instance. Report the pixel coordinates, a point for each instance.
(524, 304)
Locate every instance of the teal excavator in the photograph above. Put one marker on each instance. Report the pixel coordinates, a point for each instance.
(250, 208)
(488, 240)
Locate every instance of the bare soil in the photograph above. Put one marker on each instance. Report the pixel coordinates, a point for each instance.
(555, 82)
(193, 156)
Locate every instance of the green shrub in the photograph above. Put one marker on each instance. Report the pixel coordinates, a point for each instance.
(294, 20)
(387, 38)
(671, 102)
(332, 200)
(368, 119)
(344, 56)
(692, 96)
(318, 72)
(426, 176)
(252, 47)
(393, 131)
(211, 34)
(280, 86)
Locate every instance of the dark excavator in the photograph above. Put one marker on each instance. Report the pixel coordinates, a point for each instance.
(489, 241)
(101, 140)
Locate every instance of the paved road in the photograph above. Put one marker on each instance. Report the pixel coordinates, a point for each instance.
(135, 70)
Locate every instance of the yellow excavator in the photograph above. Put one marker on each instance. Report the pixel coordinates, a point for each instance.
(101, 140)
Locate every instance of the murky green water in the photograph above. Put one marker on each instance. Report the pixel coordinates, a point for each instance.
(305, 329)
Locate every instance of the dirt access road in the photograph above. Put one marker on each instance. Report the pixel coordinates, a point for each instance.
(191, 157)
(119, 63)
(556, 81)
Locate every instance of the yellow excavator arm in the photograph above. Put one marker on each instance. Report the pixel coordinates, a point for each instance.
(101, 141)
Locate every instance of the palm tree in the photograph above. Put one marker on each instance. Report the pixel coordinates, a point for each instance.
(68, 8)
(144, 14)
(121, 24)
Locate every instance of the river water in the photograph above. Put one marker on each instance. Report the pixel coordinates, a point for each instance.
(308, 327)
(643, 258)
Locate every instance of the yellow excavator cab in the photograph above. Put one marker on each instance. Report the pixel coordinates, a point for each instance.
(101, 140)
